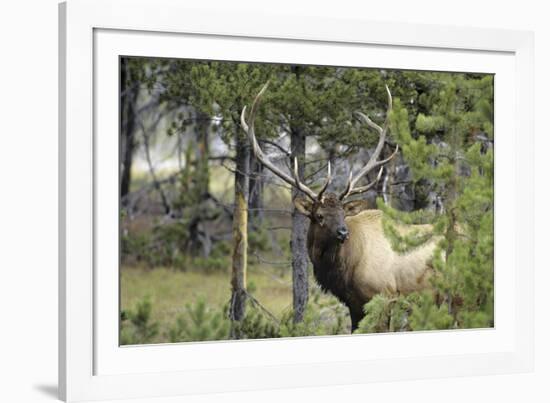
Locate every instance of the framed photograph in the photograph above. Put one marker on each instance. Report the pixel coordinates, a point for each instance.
(247, 207)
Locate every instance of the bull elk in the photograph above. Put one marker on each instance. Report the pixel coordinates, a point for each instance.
(351, 256)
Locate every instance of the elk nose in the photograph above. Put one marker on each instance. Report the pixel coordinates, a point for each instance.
(342, 233)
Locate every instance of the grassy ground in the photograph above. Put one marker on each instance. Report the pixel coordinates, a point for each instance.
(171, 290)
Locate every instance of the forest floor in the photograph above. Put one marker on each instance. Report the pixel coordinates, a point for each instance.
(171, 290)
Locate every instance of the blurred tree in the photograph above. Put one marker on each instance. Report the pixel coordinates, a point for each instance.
(141, 109)
(180, 93)
(129, 93)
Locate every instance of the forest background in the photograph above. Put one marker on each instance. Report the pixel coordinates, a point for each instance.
(182, 151)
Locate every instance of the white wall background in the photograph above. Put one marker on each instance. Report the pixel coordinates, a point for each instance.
(28, 200)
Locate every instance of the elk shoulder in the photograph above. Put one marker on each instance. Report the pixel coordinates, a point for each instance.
(376, 267)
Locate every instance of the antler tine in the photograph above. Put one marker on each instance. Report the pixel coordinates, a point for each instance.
(362, 189)
(372, 163)
(369, 122)
(382, 162)
(327, 182)
(390, 101)
(346, 191)
(244, 125)
(258, 153)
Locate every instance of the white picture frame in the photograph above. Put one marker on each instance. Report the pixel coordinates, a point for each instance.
(94, 33)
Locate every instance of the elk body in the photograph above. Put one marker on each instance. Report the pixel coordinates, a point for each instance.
(351, 256)
(353, 259)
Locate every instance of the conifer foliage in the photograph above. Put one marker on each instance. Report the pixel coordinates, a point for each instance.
(450, 154)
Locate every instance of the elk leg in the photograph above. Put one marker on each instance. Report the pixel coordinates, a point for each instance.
(356, 316)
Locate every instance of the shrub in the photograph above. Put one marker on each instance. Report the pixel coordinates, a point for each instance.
(258, 240)
(428, 316)
(377, 316)
(209, 264)
(412, 312)
(135, 324)
(256, 325)
(135, 247)
(320, 318)
(200, 323)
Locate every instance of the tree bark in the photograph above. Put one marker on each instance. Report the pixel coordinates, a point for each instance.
(240, 231)
(199, 239)
(202, 153)
(256, 187)
(298, 238)
(127, 125)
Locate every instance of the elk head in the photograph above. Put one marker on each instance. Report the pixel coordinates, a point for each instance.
(327, 211)
(328, 215)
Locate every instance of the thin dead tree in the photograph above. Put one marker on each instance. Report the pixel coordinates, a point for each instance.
(240, 230)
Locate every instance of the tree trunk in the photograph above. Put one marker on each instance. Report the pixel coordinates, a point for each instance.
(201, 154)
(128, 101)
(256, 187)
(199, 239)
(298, 238)
(156, 183)
(240, 235)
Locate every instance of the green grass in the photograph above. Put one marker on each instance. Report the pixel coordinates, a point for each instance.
(171, 290)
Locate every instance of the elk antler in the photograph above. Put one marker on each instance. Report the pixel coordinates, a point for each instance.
(372, 163)
(259, 154)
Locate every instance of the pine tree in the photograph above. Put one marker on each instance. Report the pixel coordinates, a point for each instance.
(199, 323)
(136, 326)
(449, 150)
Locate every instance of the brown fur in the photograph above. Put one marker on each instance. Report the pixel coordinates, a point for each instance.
(364, 264)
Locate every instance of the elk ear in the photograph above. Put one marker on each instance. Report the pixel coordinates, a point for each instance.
(303, 205)
(354, 207)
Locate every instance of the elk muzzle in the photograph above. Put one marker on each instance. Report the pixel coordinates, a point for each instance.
(342, 233)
